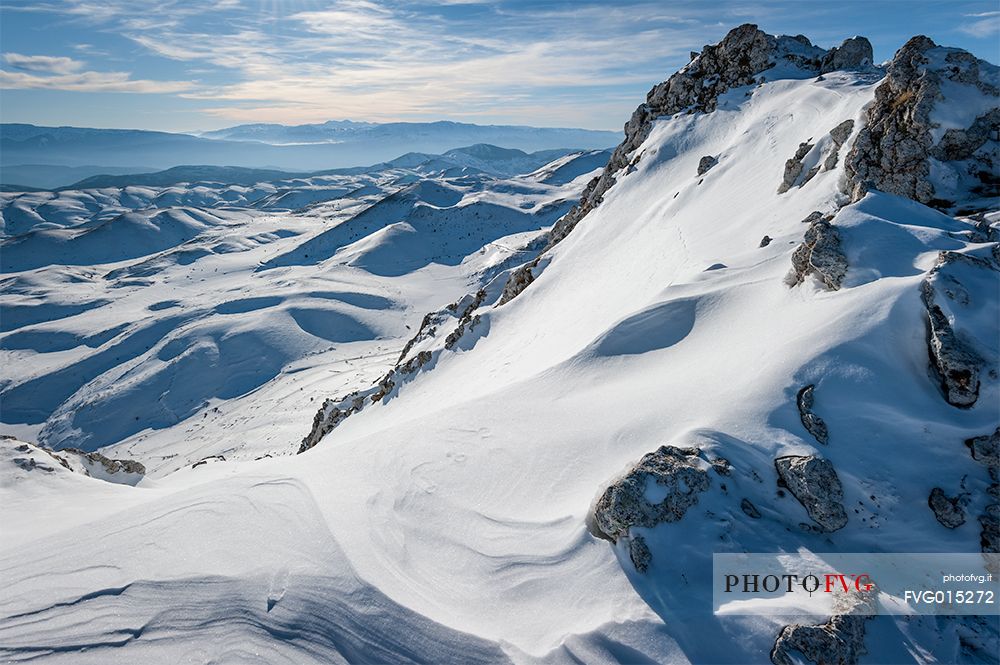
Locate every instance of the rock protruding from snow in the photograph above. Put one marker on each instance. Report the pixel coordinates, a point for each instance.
(947, 510)
(814, 482)
(820, 254)
(895, 151)
(948, 292)
(853, 53)
(813, 423)
(793, 168)
(840, 641)
(706, 163)
(677, 475)
(95, 465)
(985, 449)
(839, 136)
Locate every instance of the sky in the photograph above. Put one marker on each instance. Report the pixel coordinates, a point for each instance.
(185, 65)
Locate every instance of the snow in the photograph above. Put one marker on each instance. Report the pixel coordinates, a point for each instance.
(448, 523)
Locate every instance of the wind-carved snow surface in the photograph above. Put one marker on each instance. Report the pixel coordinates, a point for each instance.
(447, 520)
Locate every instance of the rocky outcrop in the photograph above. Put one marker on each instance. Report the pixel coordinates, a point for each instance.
(820, 255)
(839, 641)
(985, 449)
(828, 154)
(953, 357)
(853, 53)
(839, 136)
(677, 474)
(947, 510)
(813, 423)
(110, 466)
(893, 150)
(765, 241)
(814, 482)
(680, 475)
(706, 163)
(793, 168)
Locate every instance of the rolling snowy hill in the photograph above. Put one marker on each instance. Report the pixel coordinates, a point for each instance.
(768, 325)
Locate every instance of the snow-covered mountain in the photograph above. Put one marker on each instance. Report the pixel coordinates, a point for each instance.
(61, 156)
(769, 324)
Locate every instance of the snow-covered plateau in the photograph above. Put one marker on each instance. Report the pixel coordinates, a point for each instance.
(442, 411)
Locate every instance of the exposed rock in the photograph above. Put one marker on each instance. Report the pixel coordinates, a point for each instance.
(813, 423)
(985, 449)
(706, 163)
(206, 460)
(30, 464)
(765, 241)
(519, 280)
(793, 167)
(853, 53)
(838, 135)
(947, 510)
(639, 553)
(953, 358)
(819, 254)
(816, 215)
(893, 150)
(749, 509)
(839, 641)
(110, 466)
(678, 474)
(467, 319)
(814, 482)
(721, 466)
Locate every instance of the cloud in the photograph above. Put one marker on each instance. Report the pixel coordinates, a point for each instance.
(89, 82)
(42, 63)
(987, 26)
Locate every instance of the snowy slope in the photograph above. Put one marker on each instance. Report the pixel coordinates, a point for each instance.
(182, 322)
(447, 520)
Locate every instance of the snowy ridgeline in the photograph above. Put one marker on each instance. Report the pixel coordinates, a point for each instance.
(769, 324)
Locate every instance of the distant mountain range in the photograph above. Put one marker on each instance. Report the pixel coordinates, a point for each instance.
(39, 156)
(480, 158)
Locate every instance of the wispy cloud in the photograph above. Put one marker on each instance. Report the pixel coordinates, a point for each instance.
(42, 63)
(62, 73)
(987, 25)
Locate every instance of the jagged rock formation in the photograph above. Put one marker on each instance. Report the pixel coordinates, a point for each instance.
(947, 510)
(706, 163)
(814, 482)
(839, 136)
(793, 168)
(831, 144)
(679, 475)
(412, 358)
(110, 466)
(953, 356)
(819, 254)
(853, 53)
(894, 149)
(813, 423)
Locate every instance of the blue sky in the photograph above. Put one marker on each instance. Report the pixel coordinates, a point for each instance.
(181, 65)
